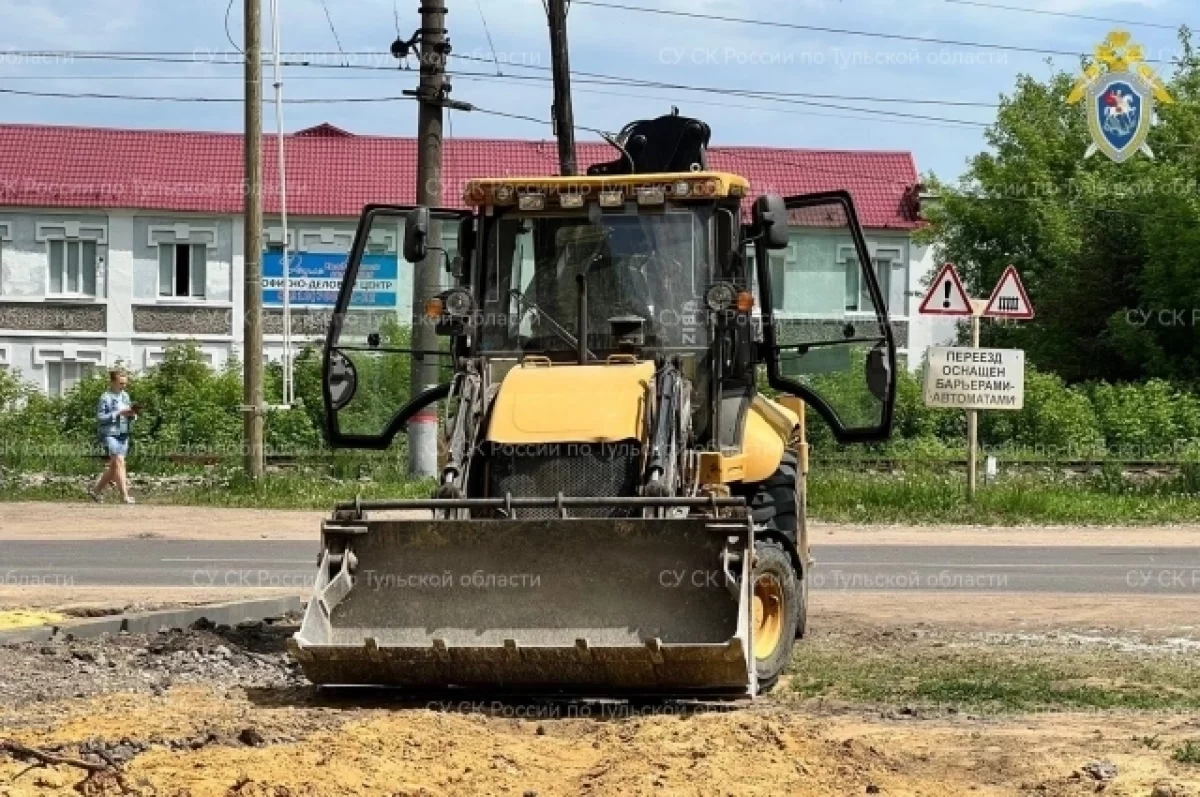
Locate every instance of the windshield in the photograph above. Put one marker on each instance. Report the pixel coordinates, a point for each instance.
(647, 270)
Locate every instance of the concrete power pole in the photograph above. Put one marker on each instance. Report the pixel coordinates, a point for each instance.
(253, 217)
(563, 113)
(423, 428)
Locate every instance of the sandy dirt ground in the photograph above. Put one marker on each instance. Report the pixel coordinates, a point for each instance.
(223, 712)
(63, 521)
(191, 741)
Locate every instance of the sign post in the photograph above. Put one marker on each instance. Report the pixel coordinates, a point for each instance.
(973, 416)
(972, 378)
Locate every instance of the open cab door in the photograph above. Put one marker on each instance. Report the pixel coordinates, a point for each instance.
(826, 335)
(383, 363)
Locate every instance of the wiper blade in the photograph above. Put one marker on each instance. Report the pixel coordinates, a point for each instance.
(555, 327)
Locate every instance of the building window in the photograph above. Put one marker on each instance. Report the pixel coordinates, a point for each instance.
(63, 376)
(858, 294)
(182, 270)
(72, 267)
(895, 289)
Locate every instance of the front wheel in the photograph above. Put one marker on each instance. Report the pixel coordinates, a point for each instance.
(777, 608)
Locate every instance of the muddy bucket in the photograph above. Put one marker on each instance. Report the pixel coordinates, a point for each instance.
(587, 606)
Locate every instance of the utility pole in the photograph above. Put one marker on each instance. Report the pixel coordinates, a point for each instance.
(562, 112)
(427, 282)
(253, 221)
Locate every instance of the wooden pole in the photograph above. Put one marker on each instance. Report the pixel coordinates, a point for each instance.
(252, 337)
(423, 428)
(564, 113)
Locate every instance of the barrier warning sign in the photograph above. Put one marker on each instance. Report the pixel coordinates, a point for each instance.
(975, 379)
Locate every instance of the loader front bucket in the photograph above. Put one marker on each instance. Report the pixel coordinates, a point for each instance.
(580, 606)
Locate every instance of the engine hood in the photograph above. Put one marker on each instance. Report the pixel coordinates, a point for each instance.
(542, 403)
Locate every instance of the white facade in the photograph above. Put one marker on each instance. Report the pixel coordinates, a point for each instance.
(94, 289)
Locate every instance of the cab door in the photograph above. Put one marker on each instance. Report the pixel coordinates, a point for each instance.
(383, 362)
(826, 333)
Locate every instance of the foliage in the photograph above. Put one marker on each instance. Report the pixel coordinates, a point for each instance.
(1107, 250)
(1188, 752)
(1151, 420)
(1056, 419)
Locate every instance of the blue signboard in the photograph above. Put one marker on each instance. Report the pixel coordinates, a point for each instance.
(316, 277)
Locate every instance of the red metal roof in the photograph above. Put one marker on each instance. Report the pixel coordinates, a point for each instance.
(334, 173)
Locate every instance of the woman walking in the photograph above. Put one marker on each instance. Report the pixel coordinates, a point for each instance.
(114, 416)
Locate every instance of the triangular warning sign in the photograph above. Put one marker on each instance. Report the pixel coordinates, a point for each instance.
(1009, 300)
(946, 296)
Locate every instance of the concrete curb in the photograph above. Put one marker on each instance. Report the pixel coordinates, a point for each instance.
(151, 622)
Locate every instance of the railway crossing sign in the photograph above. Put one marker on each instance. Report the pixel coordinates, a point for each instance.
(946, 295)
(1009, 300)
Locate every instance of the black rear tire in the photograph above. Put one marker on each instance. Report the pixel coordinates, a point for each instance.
(776, 597)
(774, 506)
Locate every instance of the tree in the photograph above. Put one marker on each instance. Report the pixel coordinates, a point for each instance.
(1108, 251)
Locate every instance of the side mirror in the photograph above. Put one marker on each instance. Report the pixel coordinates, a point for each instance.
(342, 380)
(460, 265)
(770, 217)
(416, 234)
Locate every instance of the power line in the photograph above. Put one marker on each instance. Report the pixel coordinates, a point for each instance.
(1068, 15)
(488, 33)
(87, 95)
(390, 75)
(582, 77)
(1016, 48)
(751, 93)
(771, 98)
(228, 35)
(723, 104)
(337, 39)
(758, 96)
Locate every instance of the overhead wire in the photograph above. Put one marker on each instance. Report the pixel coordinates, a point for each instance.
(1064, 14)
(982, 45)
(488, 33)
(578, 75)
(333, 29)
(228, 35)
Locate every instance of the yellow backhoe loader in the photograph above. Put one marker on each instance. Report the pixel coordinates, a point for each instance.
(617, 510)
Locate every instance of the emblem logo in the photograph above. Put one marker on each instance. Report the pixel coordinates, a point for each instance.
(1120, 91)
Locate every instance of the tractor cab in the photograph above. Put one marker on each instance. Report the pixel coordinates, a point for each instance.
(602, 269)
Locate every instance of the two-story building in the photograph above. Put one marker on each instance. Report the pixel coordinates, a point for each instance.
(114, 244)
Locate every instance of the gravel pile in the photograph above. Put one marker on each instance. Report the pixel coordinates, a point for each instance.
(251, 655)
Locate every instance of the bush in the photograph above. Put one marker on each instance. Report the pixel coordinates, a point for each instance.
(1142, 421)
(1056, 420)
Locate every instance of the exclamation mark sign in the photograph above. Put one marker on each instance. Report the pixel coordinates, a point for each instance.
(946, 301)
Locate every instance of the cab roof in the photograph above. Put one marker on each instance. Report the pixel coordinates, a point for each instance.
(716, 185)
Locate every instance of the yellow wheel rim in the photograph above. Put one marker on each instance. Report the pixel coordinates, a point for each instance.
(768, 616)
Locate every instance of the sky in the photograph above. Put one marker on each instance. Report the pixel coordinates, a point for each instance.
(510, 37)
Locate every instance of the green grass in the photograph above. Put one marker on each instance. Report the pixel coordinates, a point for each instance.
(923, 497)
(293, 490)
(919, 496)
(994, 678)
(1187, 753)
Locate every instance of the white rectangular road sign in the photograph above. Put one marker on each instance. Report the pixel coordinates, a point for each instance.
(975, 379)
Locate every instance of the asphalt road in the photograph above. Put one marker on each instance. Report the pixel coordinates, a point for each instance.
(250, 564)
